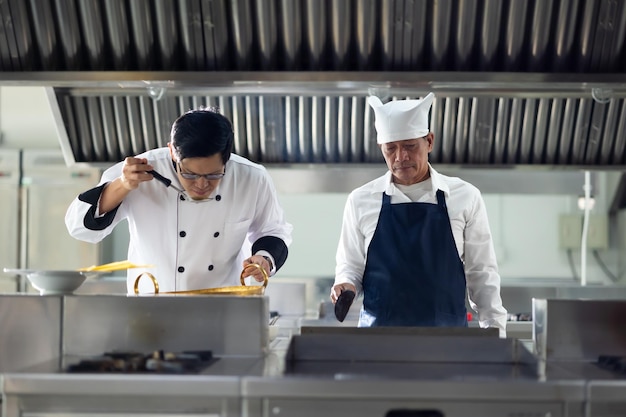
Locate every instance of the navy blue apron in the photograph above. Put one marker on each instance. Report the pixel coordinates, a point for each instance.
(413, 274)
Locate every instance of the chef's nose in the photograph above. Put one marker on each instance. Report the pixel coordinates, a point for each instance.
(202, 182)
(401, 154)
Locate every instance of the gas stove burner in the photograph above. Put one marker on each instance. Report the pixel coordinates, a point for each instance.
(156, 362)
(613, 363)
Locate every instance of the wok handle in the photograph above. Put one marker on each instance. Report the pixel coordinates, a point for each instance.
(152, 277)
(265, 276)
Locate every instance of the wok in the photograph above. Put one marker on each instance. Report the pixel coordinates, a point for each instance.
(66, 281)
(242, 289)
(54, 282)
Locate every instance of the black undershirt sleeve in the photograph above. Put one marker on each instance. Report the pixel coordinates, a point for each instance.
(275, 246)
(90, 221)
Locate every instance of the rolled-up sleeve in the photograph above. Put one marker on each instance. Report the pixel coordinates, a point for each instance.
(481, 269)
(82, 220)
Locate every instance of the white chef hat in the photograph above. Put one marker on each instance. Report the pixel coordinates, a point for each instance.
(401, 119)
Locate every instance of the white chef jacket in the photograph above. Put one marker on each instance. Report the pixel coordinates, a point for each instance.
(470, 227)
(192, 245)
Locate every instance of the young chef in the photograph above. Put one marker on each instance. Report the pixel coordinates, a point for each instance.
(415, 242)
(219, 215)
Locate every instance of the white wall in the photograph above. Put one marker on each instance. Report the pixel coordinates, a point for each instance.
(26, 119)
(524, 227)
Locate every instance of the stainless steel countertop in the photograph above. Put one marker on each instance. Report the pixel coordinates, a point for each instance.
(269, 375)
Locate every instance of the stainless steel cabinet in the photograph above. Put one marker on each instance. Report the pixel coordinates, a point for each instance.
(9, 216)
(47, 188)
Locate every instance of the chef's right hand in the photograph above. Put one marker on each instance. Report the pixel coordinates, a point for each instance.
(134, 172)
(338, 289)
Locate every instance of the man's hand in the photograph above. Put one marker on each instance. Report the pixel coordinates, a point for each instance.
(255, 272)
(134, 172)
(338, 289)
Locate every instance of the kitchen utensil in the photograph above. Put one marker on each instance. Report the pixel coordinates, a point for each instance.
(54, 282)
(114, 266)
(242, 289)
(166, 181)
(344, 301)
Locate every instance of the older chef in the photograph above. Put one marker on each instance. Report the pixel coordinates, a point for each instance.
(219, 214)
(414, 242)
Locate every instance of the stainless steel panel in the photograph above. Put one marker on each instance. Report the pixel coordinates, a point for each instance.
(30, 330)
(465, 41)
(567, 129)
(536, 132)
(606, 398)
(524, 35)
(514, 34)
(242, 37)
(375, 396)
(118, 22)
(69, 32)
(367, 407)
(581, 130)
(323, 178)
(315, 32)
(529, 119)
(403, 346)
(94, 38)
(566, 29)
(594, 137)
(290, 28)
(46, 395)
(365, 31)
(554, 131)
(229, 326)
(539, 34)
(252, 120)
(568, 330)
(502, 127)
(143, 34)
(17, 25)
(96, 129)
(609, 131)
(272, 128)
(341, 18)
(620, 143)
(462, 129)
(539, 152)
(45, 36)
(167, 34)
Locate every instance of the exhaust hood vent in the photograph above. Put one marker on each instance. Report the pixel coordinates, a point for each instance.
(469, 131)
(525, 82)
(540, 36)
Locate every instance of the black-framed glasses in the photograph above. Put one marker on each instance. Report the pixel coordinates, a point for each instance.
(193, 177)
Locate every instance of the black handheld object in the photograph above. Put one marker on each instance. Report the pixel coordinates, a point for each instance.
(166, 181)
(161, 178)
(344, 301)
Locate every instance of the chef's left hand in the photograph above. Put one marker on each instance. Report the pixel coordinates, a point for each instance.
(255, 272)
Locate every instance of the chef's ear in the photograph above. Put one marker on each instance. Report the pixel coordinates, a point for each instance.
(430, 138)
(173, 153)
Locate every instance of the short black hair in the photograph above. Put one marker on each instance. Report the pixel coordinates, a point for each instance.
(201, 133)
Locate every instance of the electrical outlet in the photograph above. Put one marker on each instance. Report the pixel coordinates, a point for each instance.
(571, 230)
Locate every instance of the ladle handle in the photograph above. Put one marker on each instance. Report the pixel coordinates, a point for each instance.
(152, 278)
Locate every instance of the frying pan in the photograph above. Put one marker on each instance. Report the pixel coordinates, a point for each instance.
(232, 290)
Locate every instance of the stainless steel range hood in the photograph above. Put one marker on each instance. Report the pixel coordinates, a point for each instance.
(522, 83)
